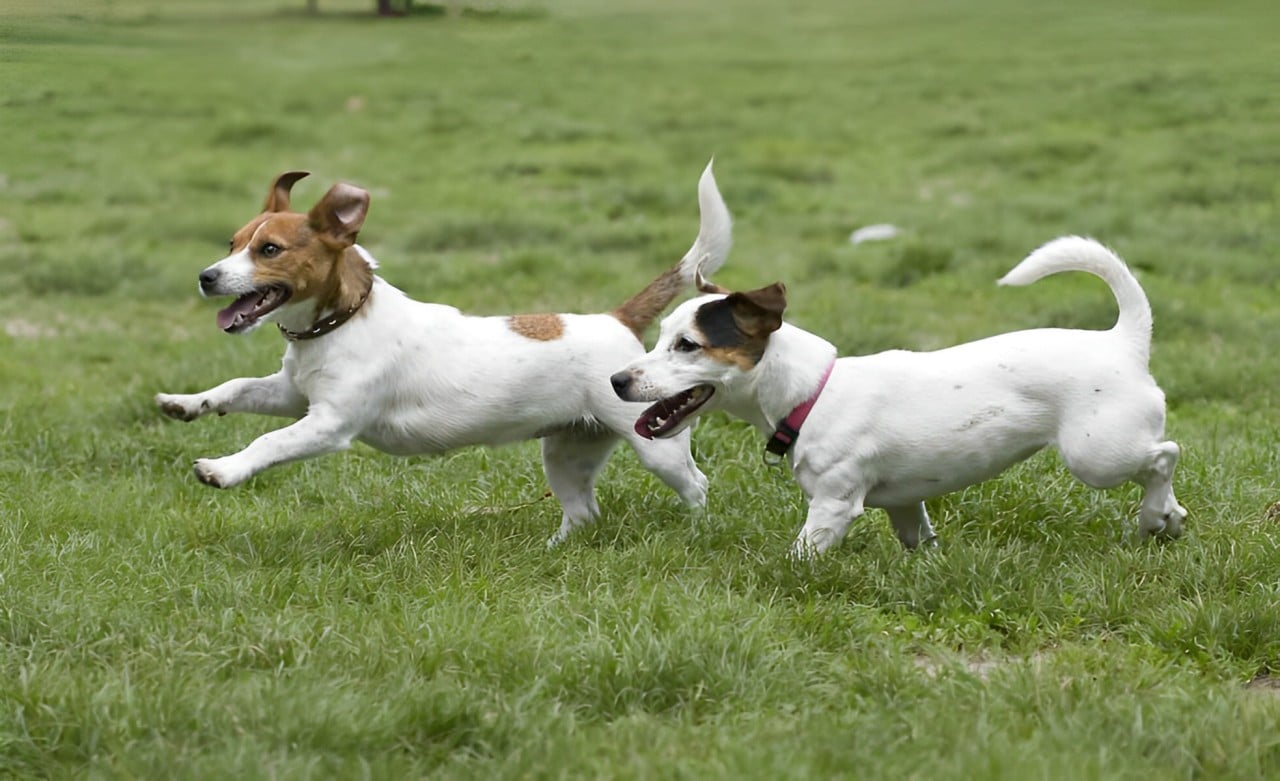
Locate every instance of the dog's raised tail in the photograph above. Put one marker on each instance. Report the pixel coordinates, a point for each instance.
(1076, 253)
(708, 253)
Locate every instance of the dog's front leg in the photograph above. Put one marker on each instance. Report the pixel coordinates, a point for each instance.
(826, 524)
(271, 395)
(321, 431)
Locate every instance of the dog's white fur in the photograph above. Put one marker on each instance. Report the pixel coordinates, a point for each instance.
(893, 429)
(413, 378)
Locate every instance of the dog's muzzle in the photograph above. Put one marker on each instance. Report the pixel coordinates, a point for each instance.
(669, 415)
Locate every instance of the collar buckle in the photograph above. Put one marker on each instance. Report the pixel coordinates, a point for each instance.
(784, 436)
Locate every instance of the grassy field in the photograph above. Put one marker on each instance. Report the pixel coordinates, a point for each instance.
(366, 616)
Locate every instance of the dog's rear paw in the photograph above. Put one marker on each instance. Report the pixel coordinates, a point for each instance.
(1168, 527)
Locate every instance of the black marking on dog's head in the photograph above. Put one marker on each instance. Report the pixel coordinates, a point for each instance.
(716, 324)
(737, 327)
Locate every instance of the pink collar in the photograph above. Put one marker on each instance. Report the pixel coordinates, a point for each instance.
(784, 436)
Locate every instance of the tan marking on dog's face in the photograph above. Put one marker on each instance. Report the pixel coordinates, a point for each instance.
(311, 254)
(285, 250)
(541, 327)
(745, 357)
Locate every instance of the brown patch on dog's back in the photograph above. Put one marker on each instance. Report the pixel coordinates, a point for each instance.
(542, 328)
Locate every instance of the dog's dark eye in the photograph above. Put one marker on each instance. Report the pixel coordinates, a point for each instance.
(231, 244)
(686, 345)
(269, 250)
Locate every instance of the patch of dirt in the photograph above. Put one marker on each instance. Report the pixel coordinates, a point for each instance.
(18, 328)
(980, 667)
(1265, 684)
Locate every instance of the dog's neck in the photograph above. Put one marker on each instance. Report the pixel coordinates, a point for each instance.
(347, 287)
(787, 375)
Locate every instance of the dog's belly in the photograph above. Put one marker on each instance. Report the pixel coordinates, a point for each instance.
(942, 474)
(418, 438)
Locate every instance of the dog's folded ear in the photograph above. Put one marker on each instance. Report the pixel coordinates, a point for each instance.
(340, 213)
(758, 313)
(278, 195)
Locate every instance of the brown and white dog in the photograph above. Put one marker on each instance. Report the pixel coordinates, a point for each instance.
(896, 428)
(364, 361)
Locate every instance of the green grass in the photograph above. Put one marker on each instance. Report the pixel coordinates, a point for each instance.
(366, 616)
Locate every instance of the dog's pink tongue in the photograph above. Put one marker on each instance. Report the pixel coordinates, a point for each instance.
(242, 305)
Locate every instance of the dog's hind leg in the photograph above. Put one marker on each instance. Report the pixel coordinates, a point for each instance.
(911, 522)
(1160, 515)
(1109, 453)
(572, 460)
(672, 461)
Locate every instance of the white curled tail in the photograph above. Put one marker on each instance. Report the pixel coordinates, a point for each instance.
(708, 253)
(1076, 253)
(715, 231)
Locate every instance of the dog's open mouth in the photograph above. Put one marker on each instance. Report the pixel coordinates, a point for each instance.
(249, 308)
(665, 417)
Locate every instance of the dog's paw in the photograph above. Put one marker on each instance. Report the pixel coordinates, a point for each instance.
(1168, 526)
(180, 407)
(804, 551)
(215, 472)
(927, 544)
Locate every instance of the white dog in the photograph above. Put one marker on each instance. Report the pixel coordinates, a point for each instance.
(364, 361)
(893, 429)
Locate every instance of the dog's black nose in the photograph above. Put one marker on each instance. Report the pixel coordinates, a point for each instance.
(208, 277)
(621, 382)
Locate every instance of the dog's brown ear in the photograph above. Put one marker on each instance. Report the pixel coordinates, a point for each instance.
(340, 213)
(278, 195)
(758, 313)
